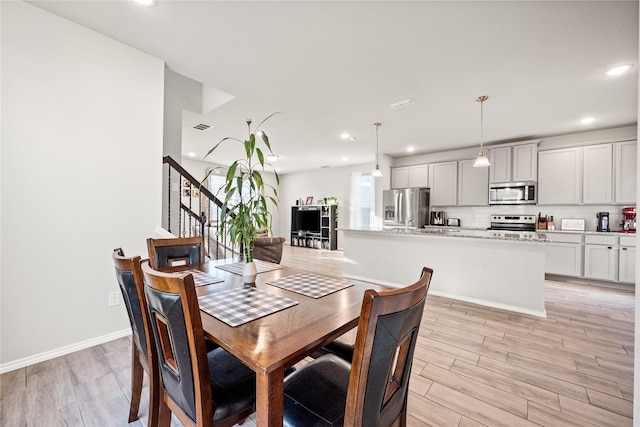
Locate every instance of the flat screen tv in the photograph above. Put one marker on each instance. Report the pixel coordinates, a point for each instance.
(308, 220)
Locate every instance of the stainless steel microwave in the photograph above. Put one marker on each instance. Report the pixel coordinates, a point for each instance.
(513, 193)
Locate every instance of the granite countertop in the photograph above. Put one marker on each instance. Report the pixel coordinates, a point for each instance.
(604, 233)
(457, 232)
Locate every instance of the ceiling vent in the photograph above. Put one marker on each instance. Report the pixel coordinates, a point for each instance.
(201, 126)
(402, 104)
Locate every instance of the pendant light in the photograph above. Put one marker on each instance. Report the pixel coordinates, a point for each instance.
(377, 173)
(482, 161)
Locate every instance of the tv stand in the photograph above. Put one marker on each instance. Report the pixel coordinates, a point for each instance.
(314, 226)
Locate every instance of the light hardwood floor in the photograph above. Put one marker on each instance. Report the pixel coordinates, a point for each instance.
(473, 366)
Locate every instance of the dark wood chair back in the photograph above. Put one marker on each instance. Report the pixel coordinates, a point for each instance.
(164, 253)
(383, 354)
(131, 283)
(191, 377)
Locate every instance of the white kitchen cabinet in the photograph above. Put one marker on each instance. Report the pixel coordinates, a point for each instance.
(410, 176)
(560, 176)
(400, 177)
(525, 162)
(625, 172)
(597, 181)
(514, 163)
(564, 254)
(473, 184)
(601, 257)
(443, 179)
(419, 176)
(500, 169)
(627, 259)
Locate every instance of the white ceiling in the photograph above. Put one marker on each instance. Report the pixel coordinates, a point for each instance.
(331, 67)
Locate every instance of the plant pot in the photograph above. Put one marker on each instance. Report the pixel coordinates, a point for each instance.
(250, 272)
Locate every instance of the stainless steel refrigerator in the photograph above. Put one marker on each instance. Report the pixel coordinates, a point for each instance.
(407, 207)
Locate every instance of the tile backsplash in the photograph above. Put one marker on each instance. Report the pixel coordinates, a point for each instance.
(479, 217)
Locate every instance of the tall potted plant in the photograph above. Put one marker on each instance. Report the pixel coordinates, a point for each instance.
(244, 210)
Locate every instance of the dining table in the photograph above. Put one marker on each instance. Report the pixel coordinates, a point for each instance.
(309, 310)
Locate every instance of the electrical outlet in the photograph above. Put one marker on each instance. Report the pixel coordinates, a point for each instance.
(114, 299)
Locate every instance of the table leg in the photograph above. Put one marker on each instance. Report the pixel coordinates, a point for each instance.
(270, 399)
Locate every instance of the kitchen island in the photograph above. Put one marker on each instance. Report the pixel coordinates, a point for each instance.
(502, 271)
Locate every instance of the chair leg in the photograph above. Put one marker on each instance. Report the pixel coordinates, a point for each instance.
(137, 374)
(154, 397)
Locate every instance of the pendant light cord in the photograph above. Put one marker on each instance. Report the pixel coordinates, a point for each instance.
(481, 100)
(377, 125)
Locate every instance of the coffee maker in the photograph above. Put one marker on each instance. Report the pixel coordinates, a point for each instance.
(603, 221)
(628, 220)
(437, 218)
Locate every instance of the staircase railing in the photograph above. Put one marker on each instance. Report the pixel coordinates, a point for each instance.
(198, 213)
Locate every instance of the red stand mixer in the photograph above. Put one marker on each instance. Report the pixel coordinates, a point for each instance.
(628, 220)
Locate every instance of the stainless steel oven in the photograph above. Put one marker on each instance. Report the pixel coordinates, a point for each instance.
(513, 193)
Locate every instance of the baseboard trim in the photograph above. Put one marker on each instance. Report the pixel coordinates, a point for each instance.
(491, 304)
(52, 354)
(458, 297)
(370, 280)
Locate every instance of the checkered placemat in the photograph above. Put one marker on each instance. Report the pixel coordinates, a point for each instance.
(311, 285)
(241, 305)
(238, 267)
(200, 278)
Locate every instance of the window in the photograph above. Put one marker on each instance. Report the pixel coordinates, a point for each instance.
(363, 188)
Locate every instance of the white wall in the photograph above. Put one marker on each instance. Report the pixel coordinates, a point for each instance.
(81, 166)
(329, 182)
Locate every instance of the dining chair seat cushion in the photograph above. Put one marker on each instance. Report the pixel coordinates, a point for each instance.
(343, 345)
(315, 395)
(233, 384)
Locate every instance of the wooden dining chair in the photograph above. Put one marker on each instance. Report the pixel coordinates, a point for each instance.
(202, 389)
(174, 252)
(372, 390)
(143, 355)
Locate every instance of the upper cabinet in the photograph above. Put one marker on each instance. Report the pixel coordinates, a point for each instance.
(597, 179)
(473, 184)
(443, 178)
(514, 163)
(625, 165)
(560, 176)
(400, 177)
(410, 176)
(599, 174)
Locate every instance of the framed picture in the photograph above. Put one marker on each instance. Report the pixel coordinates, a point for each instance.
(309, 200)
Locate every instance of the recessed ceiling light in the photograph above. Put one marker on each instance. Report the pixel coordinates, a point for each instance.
(411, 149)
(146, 2)
(192, 154)
(402, 104)
(344, 159)
(616, 71)
(272, 158)
(344, 135)
(587, 120)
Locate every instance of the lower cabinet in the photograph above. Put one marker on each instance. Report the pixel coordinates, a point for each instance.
(601, 262)
(627, 259)
(602, 257)
(564, 255)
